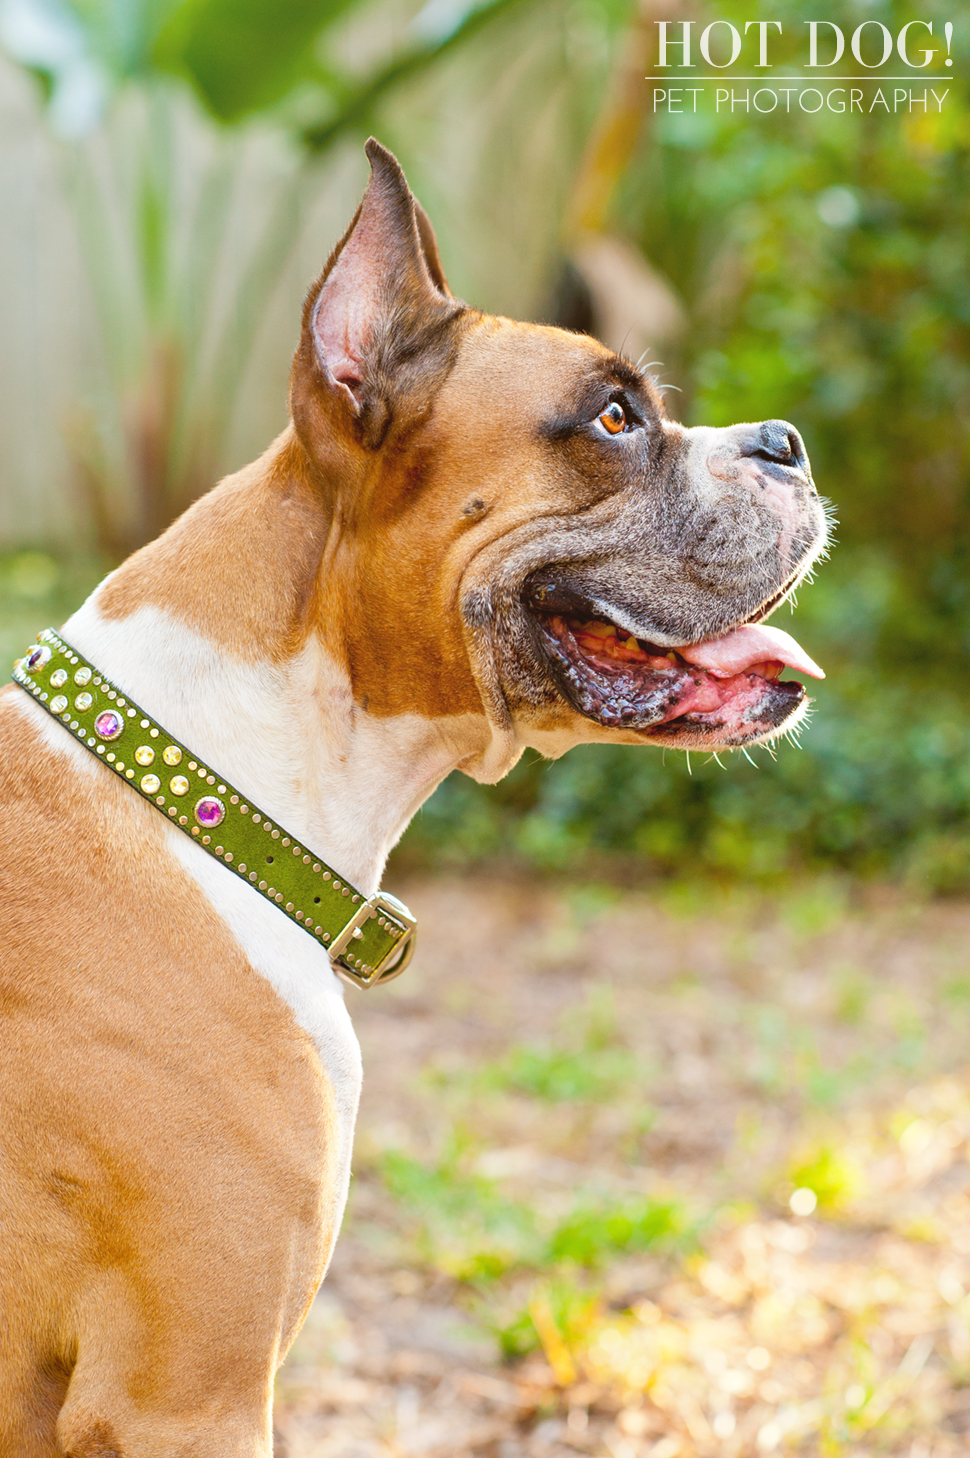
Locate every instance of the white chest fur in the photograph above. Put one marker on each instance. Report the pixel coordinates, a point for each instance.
(299, 971)
(292, 740)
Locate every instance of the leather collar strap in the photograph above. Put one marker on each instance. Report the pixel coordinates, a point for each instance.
(369, 939)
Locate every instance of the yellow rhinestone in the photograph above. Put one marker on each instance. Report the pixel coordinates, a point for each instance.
(179, 785)
(145, 754)
(150, 783)
(172, 755)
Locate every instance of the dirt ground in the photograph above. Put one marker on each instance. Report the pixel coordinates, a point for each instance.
(673, 1172)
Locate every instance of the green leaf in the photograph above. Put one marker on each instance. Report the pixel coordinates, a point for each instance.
(243, 55)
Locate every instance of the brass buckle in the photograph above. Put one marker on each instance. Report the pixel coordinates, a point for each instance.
(399, 955)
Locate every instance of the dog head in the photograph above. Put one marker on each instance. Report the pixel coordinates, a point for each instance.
(520, 530)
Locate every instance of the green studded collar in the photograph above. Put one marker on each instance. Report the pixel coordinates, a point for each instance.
(370, 938)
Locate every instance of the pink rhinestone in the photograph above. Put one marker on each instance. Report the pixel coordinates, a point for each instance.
(108, 725)
(210, 811)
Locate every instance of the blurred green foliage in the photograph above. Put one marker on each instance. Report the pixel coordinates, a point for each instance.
(467, 1227)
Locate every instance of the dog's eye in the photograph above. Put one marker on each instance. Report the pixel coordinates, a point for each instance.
(613, 419)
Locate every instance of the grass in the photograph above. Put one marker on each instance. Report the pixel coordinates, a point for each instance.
(700, 1186)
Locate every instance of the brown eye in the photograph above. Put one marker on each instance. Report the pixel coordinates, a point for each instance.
(613, 418)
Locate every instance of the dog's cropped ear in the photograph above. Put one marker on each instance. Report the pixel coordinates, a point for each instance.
(380, 304)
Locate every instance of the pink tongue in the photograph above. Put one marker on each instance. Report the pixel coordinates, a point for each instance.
(745, 647)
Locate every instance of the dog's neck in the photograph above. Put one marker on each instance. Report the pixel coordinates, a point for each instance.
(214, 630)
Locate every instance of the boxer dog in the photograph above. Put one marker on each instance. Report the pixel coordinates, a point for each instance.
(475, 535)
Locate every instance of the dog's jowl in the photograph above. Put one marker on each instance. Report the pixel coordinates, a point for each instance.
(475, 535)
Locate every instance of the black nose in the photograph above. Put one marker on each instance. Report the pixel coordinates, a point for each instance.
(776, 440)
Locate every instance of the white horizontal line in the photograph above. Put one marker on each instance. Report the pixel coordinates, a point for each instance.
(662, 76)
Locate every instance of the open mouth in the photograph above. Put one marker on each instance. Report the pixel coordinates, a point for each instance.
(722, 692)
